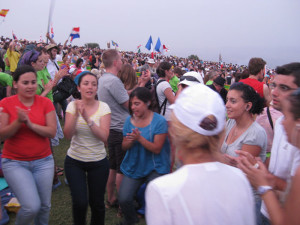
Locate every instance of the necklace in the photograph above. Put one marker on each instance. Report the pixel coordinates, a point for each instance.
(237, 133)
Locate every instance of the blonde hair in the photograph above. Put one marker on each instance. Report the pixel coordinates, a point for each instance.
(185, 138)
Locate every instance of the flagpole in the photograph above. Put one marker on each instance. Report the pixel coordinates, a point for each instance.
(52, 2)
(69, 34)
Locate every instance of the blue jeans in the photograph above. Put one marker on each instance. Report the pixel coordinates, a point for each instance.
(128, 189)
(87, 182)
(31, 182)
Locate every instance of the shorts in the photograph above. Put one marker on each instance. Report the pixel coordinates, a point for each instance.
(116, 154)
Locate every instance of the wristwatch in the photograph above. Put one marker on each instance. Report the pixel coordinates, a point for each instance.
(91, 123)
(263, 189)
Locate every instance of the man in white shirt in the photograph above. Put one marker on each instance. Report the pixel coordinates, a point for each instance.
(285, 158)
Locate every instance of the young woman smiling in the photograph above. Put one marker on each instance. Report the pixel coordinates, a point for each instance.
(242, 132)
(27, 123)
(86, 166)
(147, 146)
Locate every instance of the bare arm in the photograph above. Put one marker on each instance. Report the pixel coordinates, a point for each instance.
(49, 130)
(12, 46)
(259, 177)
(252, 149)
(8, 130)
(101, 131)
(7, 62)
(292, 204)
(70, 125)
(169, 95)
(96, 64)
(50, 39)
(277, 182)
(154, 146)
(47, 88)
(65, 44)
(126, 104)
(127, 143)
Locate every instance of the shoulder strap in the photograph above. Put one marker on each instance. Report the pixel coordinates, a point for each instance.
(270, 117)
(164, 104)
(55, 64)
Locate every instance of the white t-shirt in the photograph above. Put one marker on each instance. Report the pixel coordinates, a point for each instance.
(85, 146)
(51, 67)
(285, 158)
(207, 193)
(161, 98)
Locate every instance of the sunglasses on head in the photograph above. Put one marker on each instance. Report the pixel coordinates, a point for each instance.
(189, 78)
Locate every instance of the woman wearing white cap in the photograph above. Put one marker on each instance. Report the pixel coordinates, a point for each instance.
(202, 191)
(189, 79)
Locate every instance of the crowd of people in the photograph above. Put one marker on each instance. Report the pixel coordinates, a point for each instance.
(189, 141)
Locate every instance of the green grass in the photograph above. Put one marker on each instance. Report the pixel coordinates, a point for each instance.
(61, 209)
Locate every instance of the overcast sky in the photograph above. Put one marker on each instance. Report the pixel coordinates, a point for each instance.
(238, 29)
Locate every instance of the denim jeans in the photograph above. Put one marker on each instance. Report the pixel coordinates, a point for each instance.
(31, 181)
(87, 182)
(128, 189)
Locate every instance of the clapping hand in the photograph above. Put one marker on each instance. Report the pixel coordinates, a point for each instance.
(81, 109)
(134, 135)
(22, 115)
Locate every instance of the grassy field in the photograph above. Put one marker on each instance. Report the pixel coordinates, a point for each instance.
(61, 211)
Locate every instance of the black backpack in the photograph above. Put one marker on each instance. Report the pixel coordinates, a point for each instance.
(155, 102)
(64, 89)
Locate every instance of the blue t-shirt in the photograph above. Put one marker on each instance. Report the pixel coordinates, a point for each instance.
(138, 161)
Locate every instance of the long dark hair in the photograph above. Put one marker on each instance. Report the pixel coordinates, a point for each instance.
(250, 95)
(142, 94)
(161, 69)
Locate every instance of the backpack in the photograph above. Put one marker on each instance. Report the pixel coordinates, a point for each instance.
(64, 89)
(155, 102)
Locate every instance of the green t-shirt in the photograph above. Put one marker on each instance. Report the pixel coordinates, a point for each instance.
(7, 68)
(174, 83)
(43, 75)
(209, 82)
(6, 79)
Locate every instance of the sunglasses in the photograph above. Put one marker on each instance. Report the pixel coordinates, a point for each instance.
(189, 78)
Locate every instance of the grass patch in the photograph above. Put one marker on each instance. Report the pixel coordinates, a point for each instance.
(61, 209)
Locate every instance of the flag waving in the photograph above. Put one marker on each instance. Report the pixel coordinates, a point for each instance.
(165, 48)
(114, 43)
(3, 12)
(149, 43)
(139, 48)
(158, 46)
(75, 33)
(51, 31)
(14, 36)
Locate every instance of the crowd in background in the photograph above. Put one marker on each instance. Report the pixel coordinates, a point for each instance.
(178, 135)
